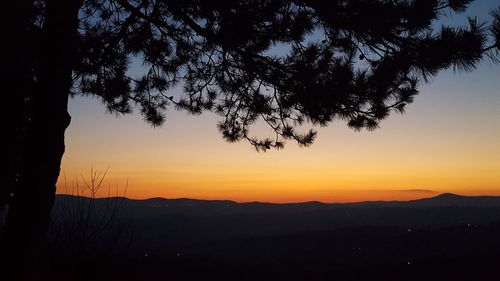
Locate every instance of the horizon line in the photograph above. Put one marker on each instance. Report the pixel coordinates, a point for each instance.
(277, 203)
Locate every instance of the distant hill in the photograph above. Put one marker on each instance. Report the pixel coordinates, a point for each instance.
(442, 200)
(450, 237)
(184, 219)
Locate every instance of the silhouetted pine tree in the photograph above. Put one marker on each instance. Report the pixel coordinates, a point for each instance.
(285, 62)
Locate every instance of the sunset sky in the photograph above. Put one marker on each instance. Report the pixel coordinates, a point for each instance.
(447, 141)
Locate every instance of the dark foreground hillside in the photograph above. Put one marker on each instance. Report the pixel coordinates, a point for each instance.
(448, 237)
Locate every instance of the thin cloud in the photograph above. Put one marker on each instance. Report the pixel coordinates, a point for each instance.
(418, 190)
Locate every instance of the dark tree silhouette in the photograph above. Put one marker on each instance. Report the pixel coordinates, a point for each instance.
(285, 62)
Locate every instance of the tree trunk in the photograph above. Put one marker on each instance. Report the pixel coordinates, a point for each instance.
(32, 199)
(17, 81)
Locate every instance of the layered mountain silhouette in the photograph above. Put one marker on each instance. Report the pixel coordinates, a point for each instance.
(442, 200)
(447, 237)
(221, 219)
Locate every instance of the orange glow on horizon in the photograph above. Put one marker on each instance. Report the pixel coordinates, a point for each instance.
(287, 186)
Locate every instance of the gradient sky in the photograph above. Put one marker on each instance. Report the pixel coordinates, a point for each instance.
(447, 141)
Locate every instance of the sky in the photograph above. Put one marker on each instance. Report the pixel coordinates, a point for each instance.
(447, 141)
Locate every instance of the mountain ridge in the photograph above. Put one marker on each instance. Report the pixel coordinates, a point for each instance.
(443, 199)
(188, 221)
